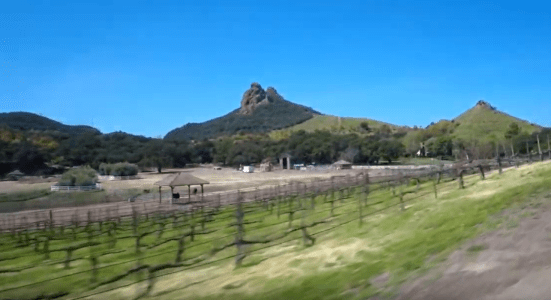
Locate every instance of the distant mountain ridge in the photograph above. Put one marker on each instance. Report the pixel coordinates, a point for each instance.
(265, 111)
(30, 121)
(261, 111)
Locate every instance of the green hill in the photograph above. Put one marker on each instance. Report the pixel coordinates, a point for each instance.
(336, 125)
(484, 122)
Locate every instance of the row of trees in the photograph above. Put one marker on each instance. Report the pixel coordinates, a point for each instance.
(102, 151)
(438, 141)
(320, 147)
(27, 153)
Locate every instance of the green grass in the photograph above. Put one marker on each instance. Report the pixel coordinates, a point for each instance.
(331, 123)
(45, 199)
(23, 196)
(338, 266)
(484, 124)
(421, 161)
(477, 248)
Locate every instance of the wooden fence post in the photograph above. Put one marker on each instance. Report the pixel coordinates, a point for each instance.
(68, 257)
(434, 185)
(94, 265)
(481, 169)
(401, 195)
(291, 212)
(279, 200)
(180, 250)
(360, 207)
(51, 220)
(528, 152)
(539, 148)
(332, 202)
(439, 174)
(46, 250)
(305, 236)
(366, 193)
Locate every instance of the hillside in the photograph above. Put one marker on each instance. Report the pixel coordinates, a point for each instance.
(29, 121)
(261, 111)
(334, 124)
(484, 122)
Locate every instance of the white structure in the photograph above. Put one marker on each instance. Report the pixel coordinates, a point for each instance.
(248, 169)
(57, 188)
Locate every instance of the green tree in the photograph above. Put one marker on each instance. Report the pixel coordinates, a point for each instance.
(364, 125)
(390, 149)
(158, 154)
(84, 176)
(440, 146)
(222, 149)
(512, 131)
(385, 129)
(29, 159)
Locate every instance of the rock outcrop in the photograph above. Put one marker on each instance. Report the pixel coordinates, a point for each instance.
(482, 103)
(261, 111)
(256, 96)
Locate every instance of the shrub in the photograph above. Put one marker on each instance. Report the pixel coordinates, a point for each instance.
(84, 176)
(124, 169)
(105, 169)
(119, 169)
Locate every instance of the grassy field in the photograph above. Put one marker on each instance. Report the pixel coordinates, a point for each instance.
(342, 263)
(421, 161)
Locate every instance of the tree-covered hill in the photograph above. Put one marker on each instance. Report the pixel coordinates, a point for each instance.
(30, 121)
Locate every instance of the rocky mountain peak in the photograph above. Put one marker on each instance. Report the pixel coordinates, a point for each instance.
(256, 96)
(484, 104)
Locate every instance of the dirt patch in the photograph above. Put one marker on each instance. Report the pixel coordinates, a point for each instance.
(512, 262)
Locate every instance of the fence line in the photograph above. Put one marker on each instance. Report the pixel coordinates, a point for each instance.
(56, 188)
(67, 216)
(336, 185)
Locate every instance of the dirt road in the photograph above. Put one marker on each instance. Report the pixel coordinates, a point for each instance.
(513, 262)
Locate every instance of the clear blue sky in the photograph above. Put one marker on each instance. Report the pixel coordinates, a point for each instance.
(149, 67)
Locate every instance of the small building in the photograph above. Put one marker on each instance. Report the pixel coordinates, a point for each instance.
(15, 175)
(248, 169)
(342, 165)
(285, 161)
